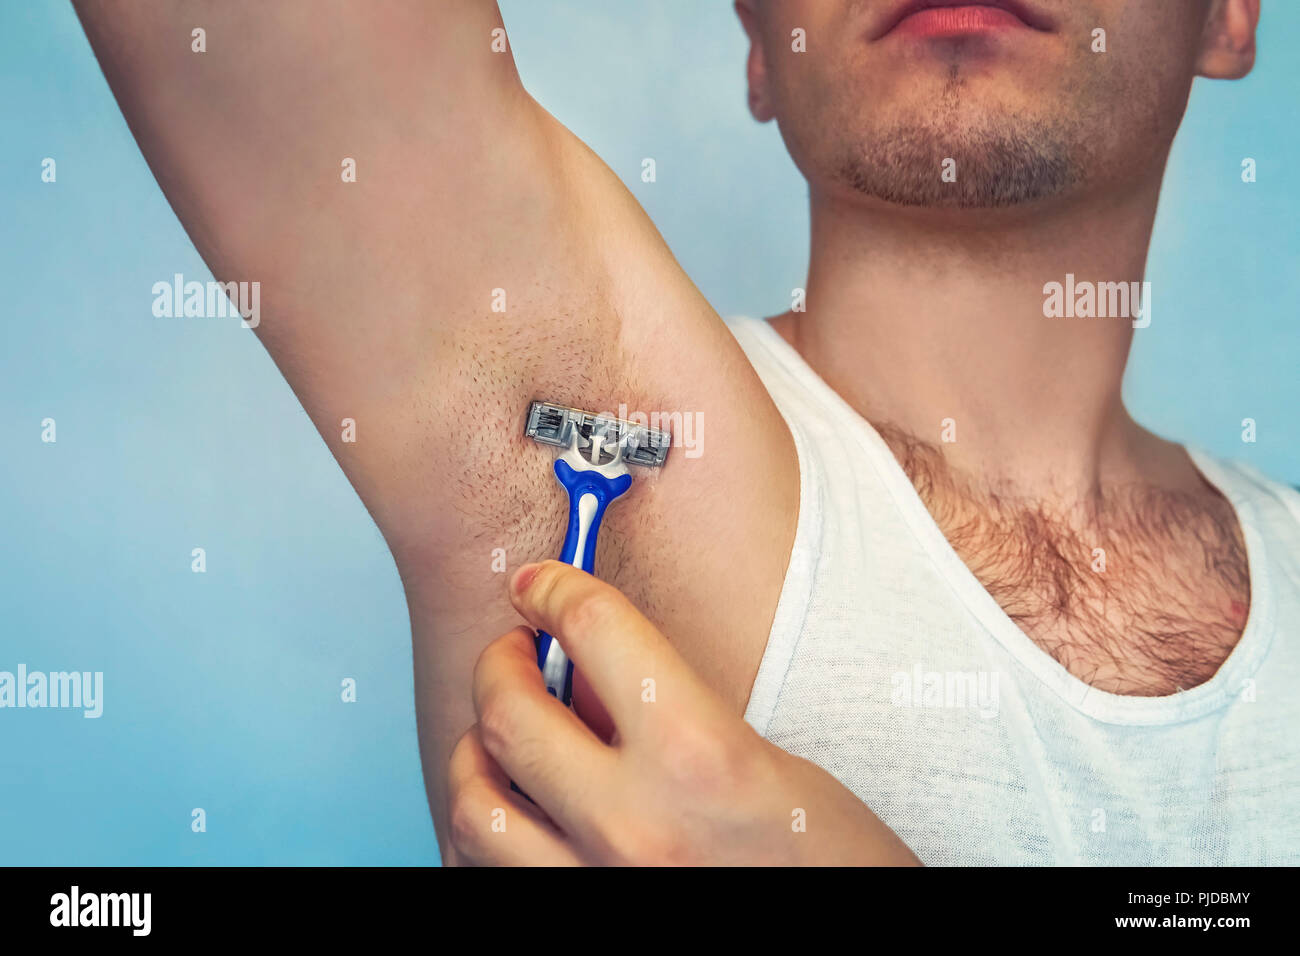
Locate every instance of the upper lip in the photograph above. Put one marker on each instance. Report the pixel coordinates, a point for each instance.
(901, 11)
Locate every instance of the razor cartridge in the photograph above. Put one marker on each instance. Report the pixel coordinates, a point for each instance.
(557, 425)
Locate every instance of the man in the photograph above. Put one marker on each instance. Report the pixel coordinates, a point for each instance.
(1002, 616)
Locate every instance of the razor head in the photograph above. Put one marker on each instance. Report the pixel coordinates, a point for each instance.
(558, 425)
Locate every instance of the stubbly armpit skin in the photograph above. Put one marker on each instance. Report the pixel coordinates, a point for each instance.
(458, 608)
(681, 543)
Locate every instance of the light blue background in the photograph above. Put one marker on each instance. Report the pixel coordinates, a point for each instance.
(222, 689)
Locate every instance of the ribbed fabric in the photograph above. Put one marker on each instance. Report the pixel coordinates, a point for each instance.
(890, 666)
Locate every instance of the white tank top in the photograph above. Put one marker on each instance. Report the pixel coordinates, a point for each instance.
(893, 668)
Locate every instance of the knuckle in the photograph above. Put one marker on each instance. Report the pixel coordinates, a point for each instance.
(479, 681)
(637, 844)
(498, 718)
(587, 613)
(460, 756)
(469, 819)
(494, 666)
(490, 658)
(711, 764)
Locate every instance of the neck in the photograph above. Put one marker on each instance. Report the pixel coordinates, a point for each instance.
(919, 319)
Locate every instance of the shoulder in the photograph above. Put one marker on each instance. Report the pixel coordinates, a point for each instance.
(1272, 506)
(1250, 481)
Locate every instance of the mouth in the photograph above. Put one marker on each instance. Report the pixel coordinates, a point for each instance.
(956, 18)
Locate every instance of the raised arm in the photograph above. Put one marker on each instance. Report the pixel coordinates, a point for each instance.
(483, 257)
(249, 140)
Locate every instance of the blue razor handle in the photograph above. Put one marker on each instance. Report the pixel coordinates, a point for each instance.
(591, 488)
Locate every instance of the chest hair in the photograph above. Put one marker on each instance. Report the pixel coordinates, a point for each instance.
(1138, 591)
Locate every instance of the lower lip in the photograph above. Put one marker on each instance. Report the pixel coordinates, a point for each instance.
(958, 21)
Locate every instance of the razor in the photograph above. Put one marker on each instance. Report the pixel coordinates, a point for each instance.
(592, 469)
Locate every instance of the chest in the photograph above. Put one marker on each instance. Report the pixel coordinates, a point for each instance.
(1138, 607)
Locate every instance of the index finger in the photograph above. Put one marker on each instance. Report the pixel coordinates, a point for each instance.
(624, 657)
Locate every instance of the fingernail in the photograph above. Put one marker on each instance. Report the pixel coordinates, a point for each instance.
(524, 577)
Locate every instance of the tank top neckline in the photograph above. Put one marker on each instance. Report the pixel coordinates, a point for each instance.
(1225, 684)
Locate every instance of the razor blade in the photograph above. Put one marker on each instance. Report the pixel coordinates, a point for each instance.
(558, 425)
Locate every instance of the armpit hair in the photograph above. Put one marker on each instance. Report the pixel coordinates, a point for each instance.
(496, 486)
